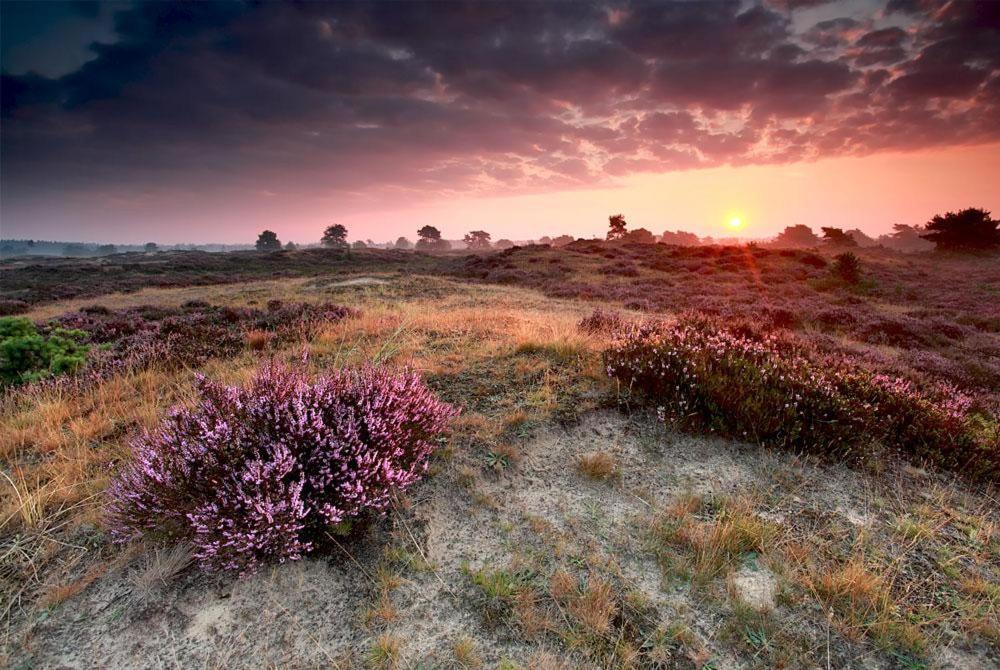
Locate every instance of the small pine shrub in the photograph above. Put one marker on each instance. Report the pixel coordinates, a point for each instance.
(256, 474)
(27, 355)
(771, 389)
(847, 267)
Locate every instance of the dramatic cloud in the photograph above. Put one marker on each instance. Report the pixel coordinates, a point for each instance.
(410, 99)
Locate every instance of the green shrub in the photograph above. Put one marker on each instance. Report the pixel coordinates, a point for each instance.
(27, 355)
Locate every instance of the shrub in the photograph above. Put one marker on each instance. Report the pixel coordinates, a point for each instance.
(256, 474)
(196, 331)
(774, 390)
(9, 307)
(847, 267)
(601, 322)
(27, 355)
(621, 269)
(813, 260)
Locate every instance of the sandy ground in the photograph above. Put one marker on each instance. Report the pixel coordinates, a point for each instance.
(312, 613)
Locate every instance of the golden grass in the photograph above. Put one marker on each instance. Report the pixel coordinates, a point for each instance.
(597, 465)
(385, 652)
(466, 656)
(715, 543)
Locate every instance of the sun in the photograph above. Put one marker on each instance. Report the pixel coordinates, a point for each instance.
(735, 223)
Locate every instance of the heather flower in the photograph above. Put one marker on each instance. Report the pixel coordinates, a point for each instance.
(255, 474)
(771, 388)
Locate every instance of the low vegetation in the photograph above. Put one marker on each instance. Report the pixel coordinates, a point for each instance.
(548, 524)
(772, 389)
(27, 355)
(259, 474)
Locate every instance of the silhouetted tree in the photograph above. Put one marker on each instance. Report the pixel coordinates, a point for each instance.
(681, 238)
(268, 241)
(430, 239)
(562, 240)
(503, 244)
(969, 229)
(906, 238)
(150, 247)
(616, 227)
(640, 236)
(545, 239)
(358, 244)
(796, 236)
(403, 243)
(861, 238)
(74, 249)
(477, 239)
(334, 236)
(291, 246)
(836, 237)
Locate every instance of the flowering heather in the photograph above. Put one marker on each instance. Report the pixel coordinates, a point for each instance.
(769, 388)
(255, 474)
(193, 333)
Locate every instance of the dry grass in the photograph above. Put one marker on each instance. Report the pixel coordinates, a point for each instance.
(597, 465)
(157, 569)
(465, 653)
(258, 340)
(385, 652)
(712, 544)
(594, 607)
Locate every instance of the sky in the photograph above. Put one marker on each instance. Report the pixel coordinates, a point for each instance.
(206, 122)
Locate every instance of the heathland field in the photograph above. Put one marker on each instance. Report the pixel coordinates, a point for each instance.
(597, 456)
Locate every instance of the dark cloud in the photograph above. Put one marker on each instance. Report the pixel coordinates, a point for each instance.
(459, 97)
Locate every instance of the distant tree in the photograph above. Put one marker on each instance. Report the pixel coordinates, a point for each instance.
(358, 244)
(150, 247)
(334, 236)
(477, 239)
(106, 250)
(291, 246)
(403, 243)
(545, 239)
(616, 227)
(74, 249)
(430, 239)
(796, 236)
(836, 237)
(969, 229)
(640, 236)
(268, 241)
(429, 233)
(503, 244)
(906, 238)
(562, 240)
(681, 238)
(862, 238)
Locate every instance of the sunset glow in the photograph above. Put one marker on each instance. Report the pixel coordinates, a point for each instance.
(185, 123)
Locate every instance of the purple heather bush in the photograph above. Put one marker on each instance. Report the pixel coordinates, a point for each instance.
(771, 388)
(256, 474)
